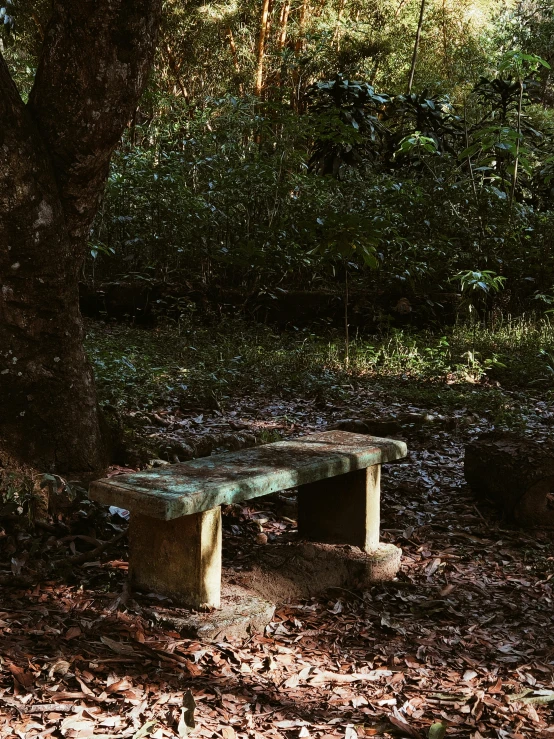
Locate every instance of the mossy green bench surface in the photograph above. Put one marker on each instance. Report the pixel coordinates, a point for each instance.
(202, 484)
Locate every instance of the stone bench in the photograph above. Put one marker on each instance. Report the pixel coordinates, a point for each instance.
(175, 523)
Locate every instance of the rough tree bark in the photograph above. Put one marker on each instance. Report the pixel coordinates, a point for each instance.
(54, 159)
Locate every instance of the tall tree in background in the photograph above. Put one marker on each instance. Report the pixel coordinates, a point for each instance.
(416, 46)
(263, 34)
(54, 158)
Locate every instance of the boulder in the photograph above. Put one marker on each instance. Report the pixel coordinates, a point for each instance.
(516, 473)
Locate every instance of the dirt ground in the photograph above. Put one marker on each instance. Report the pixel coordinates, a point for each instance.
(461, 644)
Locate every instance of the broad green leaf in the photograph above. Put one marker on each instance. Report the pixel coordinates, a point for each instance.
(437, 730)
(469, 152)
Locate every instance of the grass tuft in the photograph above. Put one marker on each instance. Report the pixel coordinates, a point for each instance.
(199, 365)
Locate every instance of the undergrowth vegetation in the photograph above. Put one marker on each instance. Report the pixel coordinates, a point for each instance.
(330, 170)
(205, 367)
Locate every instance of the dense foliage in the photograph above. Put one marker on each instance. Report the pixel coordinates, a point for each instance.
(277, 149)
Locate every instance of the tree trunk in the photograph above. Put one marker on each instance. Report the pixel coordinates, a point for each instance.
(283, 23)
(445, 40)
(262, 36)
(174, 67)
(337, 34)
(281, 41)
(234, 53)
(416, 47)
(516, 473)
(54, 159)
(297, 103)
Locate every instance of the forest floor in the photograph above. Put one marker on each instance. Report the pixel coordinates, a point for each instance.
(461, 644)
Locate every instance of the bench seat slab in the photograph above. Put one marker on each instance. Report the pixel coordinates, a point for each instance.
(342, 510)
(180, 558)
(190, 487)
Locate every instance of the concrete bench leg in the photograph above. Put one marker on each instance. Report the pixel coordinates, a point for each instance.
(346, 510)
(180, 558)
(343, 509)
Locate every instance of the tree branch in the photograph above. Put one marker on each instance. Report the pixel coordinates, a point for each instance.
(11, 104)
(26, 183)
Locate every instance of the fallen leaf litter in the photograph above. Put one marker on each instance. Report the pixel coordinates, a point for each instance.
(460, 645)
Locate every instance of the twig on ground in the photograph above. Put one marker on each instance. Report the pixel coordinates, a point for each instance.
(80, 559)
(47, 707)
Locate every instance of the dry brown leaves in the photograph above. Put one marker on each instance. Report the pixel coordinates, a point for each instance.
(462, 644)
